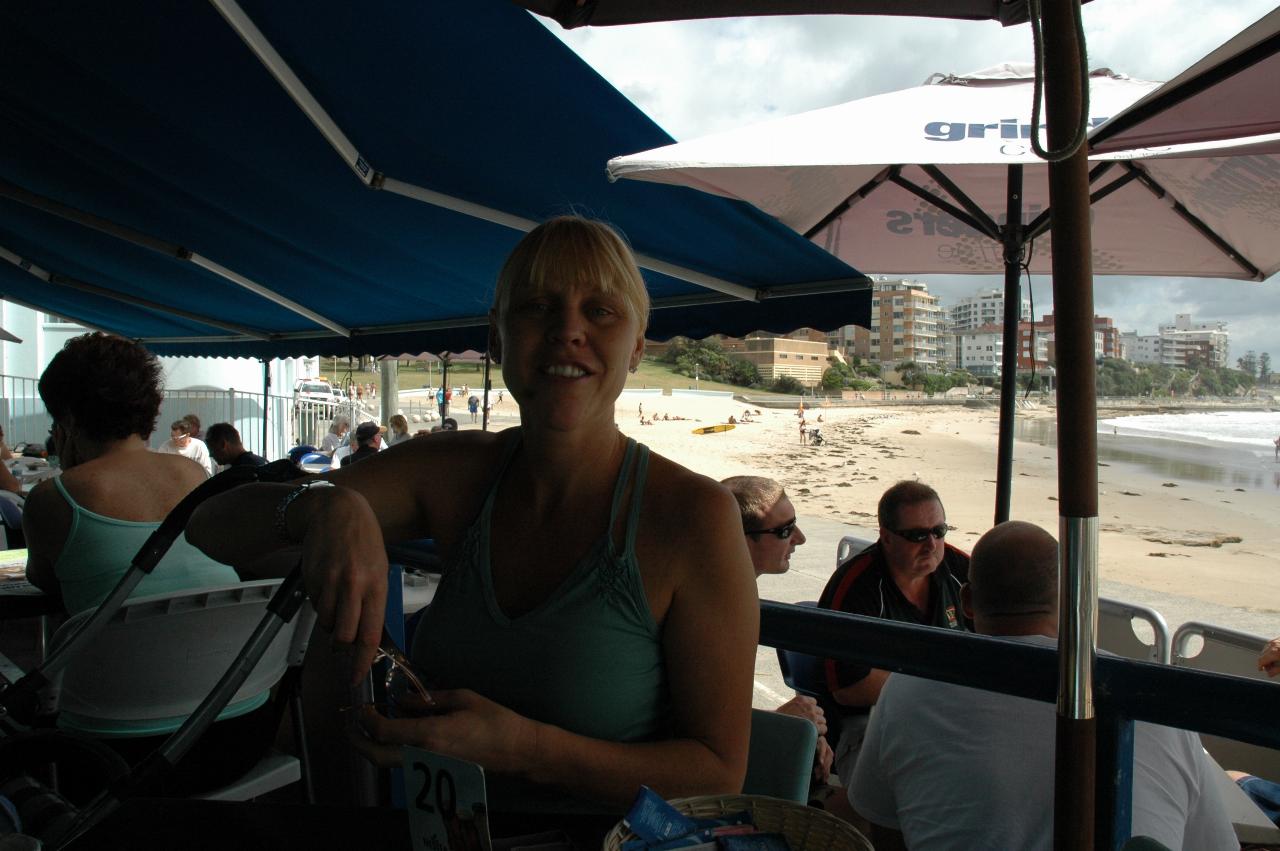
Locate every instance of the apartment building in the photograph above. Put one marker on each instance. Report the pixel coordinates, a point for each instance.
(800, 356)
(979, 350)
(1107, 341)
(1184, 339)
(984, 307)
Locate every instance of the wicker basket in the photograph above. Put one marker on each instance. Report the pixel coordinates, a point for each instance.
(806, 828)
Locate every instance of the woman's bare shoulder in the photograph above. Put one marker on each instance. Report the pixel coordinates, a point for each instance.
(688, 503)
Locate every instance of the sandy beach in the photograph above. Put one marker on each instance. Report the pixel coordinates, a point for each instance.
(1194, 551)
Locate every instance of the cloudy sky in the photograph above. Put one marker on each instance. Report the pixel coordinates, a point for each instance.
(701, 77)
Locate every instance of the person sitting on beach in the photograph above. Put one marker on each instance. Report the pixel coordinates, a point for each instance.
(772, 534)
(596, 625)
(181, 442)
(732, 421)
(948, 766)
(226, 449)
(909, 574)
(84, 528)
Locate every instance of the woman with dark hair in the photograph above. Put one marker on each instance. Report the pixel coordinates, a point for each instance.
(84, 527)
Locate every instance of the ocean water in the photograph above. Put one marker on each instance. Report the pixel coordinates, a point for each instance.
(1229, 448)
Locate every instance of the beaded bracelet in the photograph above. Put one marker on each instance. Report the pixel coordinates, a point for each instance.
(282, 523)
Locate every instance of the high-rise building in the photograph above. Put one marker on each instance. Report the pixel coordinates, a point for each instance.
(985, 307)
(905, 325)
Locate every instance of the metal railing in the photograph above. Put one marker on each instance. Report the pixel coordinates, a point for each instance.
(1126, 690)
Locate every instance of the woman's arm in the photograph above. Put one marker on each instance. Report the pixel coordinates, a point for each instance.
(710, 635)
(8, 481)
(341, 531)
(46, 521)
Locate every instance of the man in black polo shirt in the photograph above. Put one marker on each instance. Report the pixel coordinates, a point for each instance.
(911, 575)
(226, 449)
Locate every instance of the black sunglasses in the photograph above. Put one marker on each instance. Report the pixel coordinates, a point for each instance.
(919, 536)
(784, 531)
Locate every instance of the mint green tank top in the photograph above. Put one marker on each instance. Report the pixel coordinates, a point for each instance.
(588, 659)
(96, 554)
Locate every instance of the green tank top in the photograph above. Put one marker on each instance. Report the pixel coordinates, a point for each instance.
(588, 659)
(96, 554)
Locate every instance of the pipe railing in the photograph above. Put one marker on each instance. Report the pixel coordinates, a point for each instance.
(1126, 690)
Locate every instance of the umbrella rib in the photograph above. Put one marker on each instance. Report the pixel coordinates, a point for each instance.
(112, 295)
(374, 179)
(1192, 219)
(862, 192)
(160, 246)
(992, 229)
(1041, 222)
(945, 205)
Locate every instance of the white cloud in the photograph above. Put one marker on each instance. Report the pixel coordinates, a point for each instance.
(701, 77)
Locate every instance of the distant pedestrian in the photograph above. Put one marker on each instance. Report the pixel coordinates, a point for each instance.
(1278, 448)
(473, 407)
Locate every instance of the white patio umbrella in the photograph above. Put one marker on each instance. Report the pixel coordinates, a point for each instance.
(941, 178)
(916, 181)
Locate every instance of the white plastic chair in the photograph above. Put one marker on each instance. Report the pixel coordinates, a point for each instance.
(160, 656)
(1116, 634)
(850, 546)
(1227, 651)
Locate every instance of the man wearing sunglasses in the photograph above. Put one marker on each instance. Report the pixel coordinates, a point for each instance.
(911, 575)
(769, 523)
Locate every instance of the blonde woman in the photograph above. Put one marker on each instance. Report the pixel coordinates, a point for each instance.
(596, 625)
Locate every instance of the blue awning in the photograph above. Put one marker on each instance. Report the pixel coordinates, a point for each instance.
(157, 181)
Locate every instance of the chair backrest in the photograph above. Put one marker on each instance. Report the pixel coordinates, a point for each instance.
(851, 545)
(780, 760)
(161, 655)
(1227, 651)
(807, 675)
(1116, 634)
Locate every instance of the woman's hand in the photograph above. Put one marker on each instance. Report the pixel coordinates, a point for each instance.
(344, 569)
(467, 726)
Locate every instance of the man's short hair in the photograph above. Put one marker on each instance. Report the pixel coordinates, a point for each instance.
(220, 432)
(180, 426)
(756, 496)
(904, 493)
(1014, 571)
(366, 432)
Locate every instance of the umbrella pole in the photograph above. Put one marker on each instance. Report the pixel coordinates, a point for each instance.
(1012, 233)
(1077, 438)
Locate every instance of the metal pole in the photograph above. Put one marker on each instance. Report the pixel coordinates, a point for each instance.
(266, 403)
(485, 403)
(1012, 233)
(389, 381)
(1077, 437)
